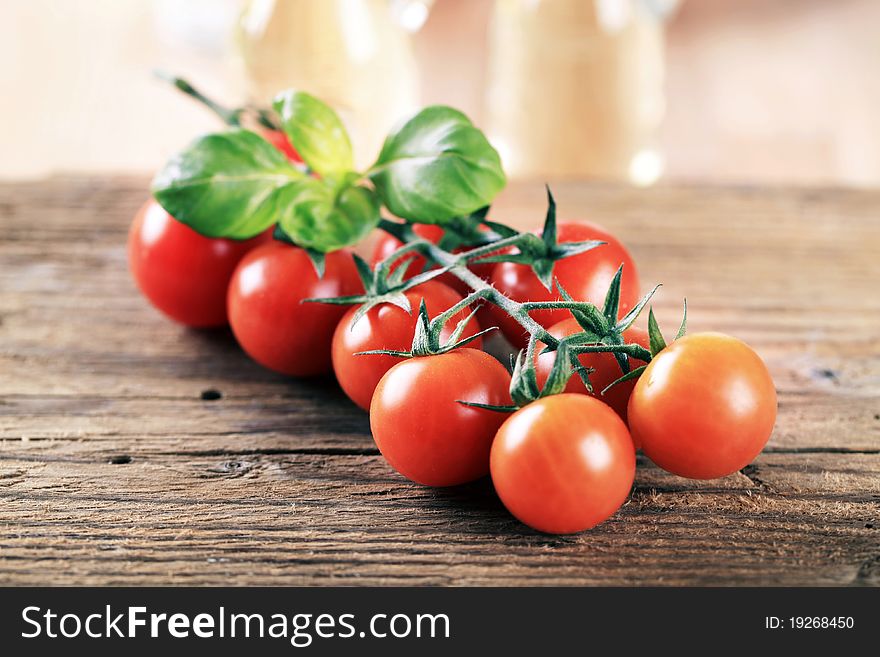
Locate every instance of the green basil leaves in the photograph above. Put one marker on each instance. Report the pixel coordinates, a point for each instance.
(316, 132)
(225, 184)
(235, 184)
(437, 166)
(327, 214)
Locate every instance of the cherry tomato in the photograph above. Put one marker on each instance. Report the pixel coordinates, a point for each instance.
(182, 273)
(420, 427)
(266, 313)
(388, 327)
(415, 263)
(280, 141)
(704, 407)
(585, 277)
(563, 463)
(607, 370)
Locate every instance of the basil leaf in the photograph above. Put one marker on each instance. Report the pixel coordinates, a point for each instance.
(327, 214)
(224, 184)
(437, 166)
(316, 132)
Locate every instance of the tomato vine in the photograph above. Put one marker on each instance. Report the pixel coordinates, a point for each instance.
(602, 330)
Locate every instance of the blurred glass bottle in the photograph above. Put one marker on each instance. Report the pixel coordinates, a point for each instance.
(354, 54)
(576, 87)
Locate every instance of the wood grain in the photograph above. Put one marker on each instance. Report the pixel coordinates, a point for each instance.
(114, 470)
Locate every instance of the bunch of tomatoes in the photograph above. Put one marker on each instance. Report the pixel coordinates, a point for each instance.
(703, 407)
(403, 335)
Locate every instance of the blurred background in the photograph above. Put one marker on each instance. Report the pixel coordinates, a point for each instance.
(743, 91)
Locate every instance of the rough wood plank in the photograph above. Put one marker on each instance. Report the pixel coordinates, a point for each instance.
(114, 470)
(325, 519)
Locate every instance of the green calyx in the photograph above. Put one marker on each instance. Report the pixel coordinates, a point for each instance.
(604, 332)
(524, 387)
(466, 236)
(427, 339)
(385, 283)
(601, 332)
(382, 284)
(657, 344)
(541, 253)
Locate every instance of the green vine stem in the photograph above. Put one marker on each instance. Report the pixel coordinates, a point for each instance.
(383, 267)
(230, 116)
(456, 264)
(602, 330)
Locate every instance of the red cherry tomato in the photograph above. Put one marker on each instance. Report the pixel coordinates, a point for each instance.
(704, 407)
(182, 273)
(563, 463)
(266, 313)
(585, 277)
(388, 327)
(607, 370)
(420, 427)
(280, 141)
(415, 263)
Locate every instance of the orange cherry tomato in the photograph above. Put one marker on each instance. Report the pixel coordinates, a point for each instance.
(704, 407)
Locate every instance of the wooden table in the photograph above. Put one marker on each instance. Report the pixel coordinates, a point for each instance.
(117, 467)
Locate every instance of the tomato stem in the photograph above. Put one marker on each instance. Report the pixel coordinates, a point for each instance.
(383, 268)
(229, 116)
(489, 293)
(602, 331)
(492, 247)
(455, 264)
